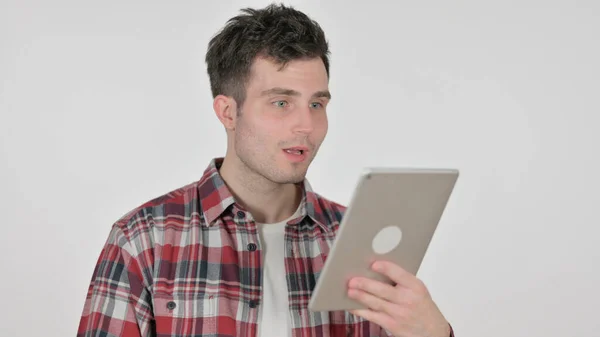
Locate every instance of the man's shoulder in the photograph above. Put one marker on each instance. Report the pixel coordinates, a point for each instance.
(329, 203)
(331, 210)
(174, 204)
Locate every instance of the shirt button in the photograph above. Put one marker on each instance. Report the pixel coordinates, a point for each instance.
(251, 247)
(253, 303)
(171, 305)
(241, 214)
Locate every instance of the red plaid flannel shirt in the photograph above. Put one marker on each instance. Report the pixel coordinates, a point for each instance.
(189, 264)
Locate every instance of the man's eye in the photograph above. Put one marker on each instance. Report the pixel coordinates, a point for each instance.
(280, 104)
(316, 105)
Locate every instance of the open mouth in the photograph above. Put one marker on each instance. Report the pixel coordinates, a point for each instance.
(295, 151)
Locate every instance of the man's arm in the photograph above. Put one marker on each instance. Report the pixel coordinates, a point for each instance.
(118, 301)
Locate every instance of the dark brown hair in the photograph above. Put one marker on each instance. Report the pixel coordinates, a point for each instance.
(277, 32)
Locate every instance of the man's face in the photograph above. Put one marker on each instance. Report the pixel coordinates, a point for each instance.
(282, 121)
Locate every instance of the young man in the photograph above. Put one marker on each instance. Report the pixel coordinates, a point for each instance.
(236, 253)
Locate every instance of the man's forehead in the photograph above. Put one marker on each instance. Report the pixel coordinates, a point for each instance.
(268, 77)
(269, 65)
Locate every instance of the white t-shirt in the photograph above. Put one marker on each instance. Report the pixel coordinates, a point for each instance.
(274, 319)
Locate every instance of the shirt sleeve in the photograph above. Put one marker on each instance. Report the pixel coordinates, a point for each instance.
(118, 302)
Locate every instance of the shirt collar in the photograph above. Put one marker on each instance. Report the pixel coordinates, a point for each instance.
(216, 198)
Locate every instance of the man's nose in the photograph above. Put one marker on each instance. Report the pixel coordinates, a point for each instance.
(305, 121)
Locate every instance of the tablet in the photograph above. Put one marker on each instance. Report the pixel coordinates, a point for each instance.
(392, 215)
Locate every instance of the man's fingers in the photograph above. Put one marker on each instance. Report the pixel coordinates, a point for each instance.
(379, 318)
(376, 288)
(371, 301)
(399, 275)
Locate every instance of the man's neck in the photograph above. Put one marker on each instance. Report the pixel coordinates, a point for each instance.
(268, 202)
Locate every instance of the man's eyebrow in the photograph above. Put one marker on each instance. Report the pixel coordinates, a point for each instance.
(291, 92)
(322, 94)
(280, 91)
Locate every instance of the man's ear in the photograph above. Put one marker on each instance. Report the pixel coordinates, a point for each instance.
(226, 110)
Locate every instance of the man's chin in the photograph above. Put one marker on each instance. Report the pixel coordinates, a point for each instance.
(295, 178)
(292, 180)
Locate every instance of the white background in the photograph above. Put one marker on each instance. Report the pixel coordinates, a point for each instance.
(106, 104)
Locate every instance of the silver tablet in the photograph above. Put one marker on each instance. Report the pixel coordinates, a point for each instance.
(392, 216)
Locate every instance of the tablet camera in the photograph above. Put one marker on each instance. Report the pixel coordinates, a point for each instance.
(387, 240)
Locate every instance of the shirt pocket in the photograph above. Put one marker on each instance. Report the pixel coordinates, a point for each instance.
(198, 315)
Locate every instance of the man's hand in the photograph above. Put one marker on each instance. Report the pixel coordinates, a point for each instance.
(405, 309)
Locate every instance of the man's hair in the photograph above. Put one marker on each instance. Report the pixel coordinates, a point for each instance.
(277, 32)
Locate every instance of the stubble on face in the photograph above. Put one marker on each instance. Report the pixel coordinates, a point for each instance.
(263, 130)
(259, 163)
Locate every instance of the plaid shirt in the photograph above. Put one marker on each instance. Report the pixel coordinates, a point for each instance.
(189, 264)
